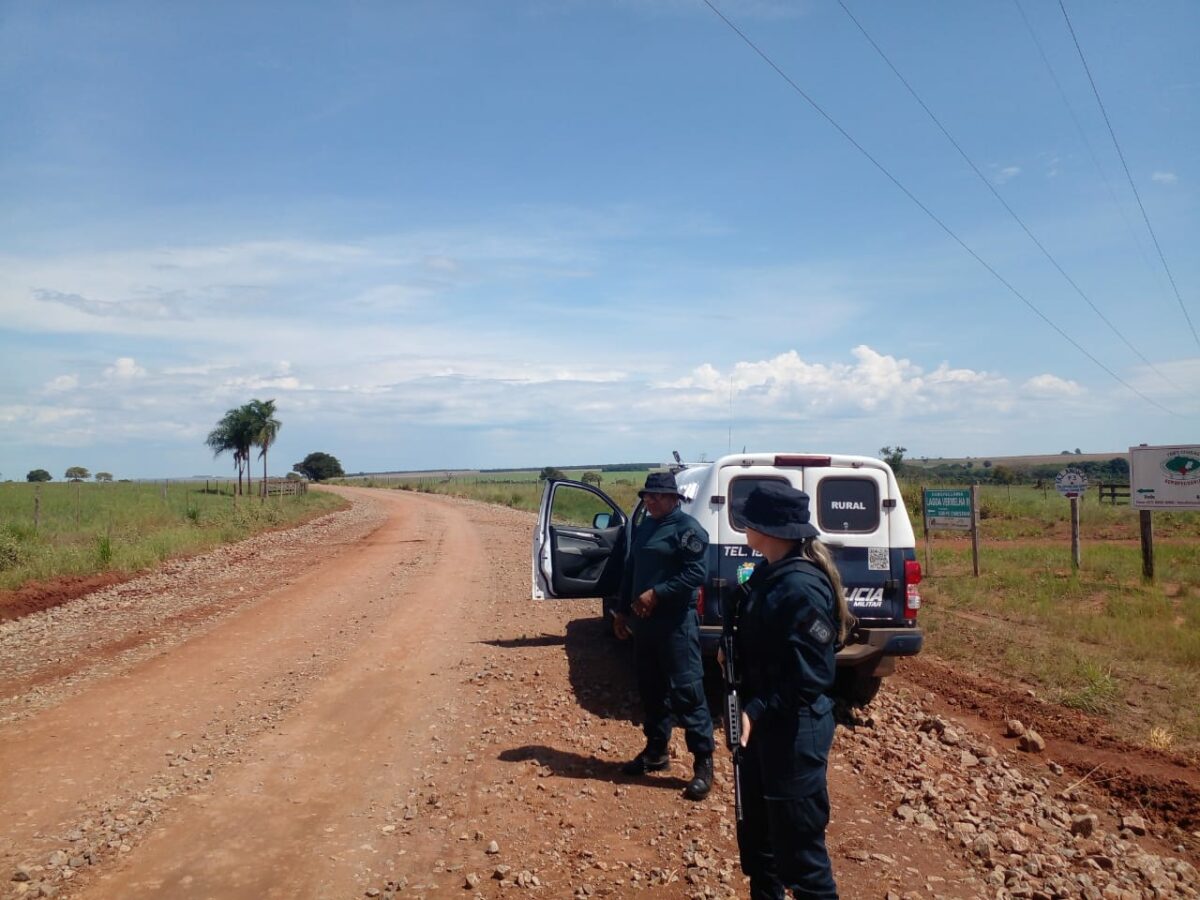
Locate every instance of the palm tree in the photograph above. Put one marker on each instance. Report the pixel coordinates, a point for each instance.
(235, 432)
(264, 429)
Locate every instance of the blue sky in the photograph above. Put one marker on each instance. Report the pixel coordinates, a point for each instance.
(471, 234)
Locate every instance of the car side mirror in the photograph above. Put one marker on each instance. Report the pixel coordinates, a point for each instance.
(602, 520)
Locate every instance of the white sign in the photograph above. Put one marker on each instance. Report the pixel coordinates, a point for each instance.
(1164, 477)
(1070, 482)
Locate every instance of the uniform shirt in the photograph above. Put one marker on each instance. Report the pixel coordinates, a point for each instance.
(787, 640)
(669, 555)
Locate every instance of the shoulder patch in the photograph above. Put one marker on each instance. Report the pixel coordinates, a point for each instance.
(690, 541)
(820, 632)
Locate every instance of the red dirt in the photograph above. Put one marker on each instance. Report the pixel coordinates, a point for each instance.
(1165, 785)
(35, 596)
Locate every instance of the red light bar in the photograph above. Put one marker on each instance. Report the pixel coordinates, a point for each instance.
(802, 460)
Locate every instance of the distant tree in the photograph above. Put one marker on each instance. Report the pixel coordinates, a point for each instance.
(319, 466)
(549, 473)
(1119, 466)
(1003, 475)
(987, 463)
(104, 476)
(1078, 452)
(893, 456)
(39, 475)
(294, 476)
(590, 478)
(77, 473)
(1065, 453)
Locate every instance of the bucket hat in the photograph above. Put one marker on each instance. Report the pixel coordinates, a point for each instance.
(776, 509)
(660, 483)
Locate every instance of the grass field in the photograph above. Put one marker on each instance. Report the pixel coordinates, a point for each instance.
(83, 529)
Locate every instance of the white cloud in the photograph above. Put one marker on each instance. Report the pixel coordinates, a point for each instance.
(124, 369)
(1007, 173)
(1164, 177)
(62, 384)
(1052, 386)
(788, 386)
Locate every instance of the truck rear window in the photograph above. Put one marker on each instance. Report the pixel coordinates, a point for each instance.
(847, 505)
(739, 490)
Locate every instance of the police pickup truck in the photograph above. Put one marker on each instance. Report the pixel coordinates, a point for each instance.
(582, 536)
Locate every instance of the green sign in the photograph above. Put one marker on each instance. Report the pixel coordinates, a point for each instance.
(949, 508)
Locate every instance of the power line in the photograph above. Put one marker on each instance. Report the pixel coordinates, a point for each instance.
(1125, 165)
(925, 209)
(1086, 143)
(986, 183)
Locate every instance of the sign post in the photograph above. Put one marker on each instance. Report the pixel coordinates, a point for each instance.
(955, 509)
(1071, 483)
(1166, 477)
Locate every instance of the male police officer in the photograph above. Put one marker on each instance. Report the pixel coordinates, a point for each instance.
(667, 563)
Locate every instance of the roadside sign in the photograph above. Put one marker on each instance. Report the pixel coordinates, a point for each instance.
(1164, 477)
(1070, 483)
(948, 508)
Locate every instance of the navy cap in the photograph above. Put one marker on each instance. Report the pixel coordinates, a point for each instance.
(660, 483)
(776, 509)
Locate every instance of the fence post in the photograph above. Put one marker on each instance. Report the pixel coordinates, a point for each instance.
(1147, 529)
(37, 507)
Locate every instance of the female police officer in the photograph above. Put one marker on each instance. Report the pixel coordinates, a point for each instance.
(791, 618)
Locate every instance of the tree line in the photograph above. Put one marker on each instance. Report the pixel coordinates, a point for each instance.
(74, 473)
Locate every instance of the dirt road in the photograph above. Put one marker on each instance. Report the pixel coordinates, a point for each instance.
(371, 706)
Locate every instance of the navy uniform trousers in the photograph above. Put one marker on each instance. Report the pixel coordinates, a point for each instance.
(670, 679)
(785, 802)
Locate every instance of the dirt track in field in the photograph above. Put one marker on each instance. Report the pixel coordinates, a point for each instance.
(370, 705)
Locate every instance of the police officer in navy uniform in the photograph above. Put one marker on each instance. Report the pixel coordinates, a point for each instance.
(790, 620)
(667, 564)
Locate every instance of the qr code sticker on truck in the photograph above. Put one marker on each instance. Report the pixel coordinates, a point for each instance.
(877, 559)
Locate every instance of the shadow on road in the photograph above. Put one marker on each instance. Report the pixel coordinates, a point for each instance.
(568, 764)
(600, 670)
(545, 640)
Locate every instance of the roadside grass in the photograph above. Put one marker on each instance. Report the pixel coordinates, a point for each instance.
(1100, 640)
(85, 529)
(1024, 511)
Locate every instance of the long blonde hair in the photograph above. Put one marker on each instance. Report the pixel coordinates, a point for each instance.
(818, 554)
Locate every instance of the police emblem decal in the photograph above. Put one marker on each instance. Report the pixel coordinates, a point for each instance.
(744, 571)
(820, 632)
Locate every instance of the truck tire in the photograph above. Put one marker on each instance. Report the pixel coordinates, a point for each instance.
(855, 688)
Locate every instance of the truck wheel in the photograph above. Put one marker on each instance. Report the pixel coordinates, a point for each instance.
(857, 689)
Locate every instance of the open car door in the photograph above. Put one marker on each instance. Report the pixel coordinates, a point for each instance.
(579, 543)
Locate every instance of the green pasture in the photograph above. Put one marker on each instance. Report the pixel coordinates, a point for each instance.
(1100, 639)
(1023, 511)
(83, 528)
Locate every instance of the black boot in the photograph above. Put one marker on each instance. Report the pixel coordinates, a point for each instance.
(702, 778)
(646, 761)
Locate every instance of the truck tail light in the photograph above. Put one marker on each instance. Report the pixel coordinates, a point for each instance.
(912, 596)
(782, 460)
(700, 603)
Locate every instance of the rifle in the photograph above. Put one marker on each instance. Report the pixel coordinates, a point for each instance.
(733, 715)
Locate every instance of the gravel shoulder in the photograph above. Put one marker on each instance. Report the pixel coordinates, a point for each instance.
(370, 705)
